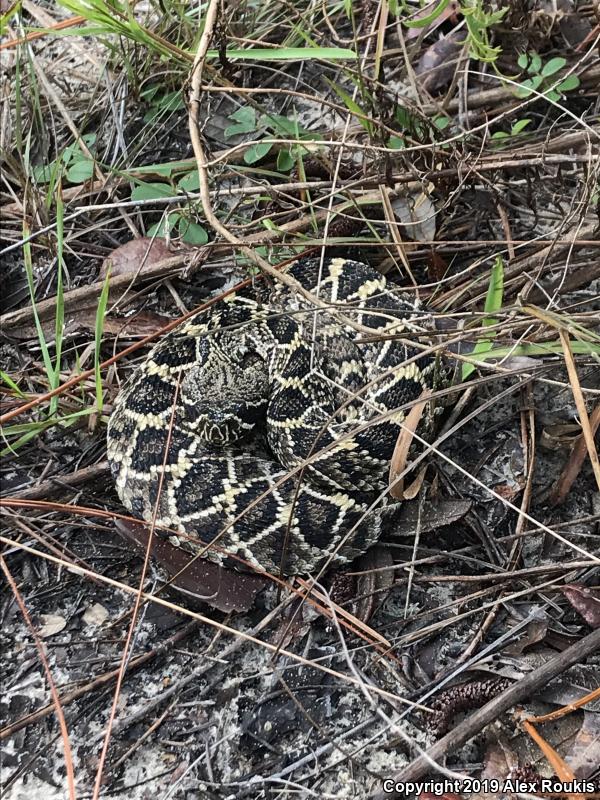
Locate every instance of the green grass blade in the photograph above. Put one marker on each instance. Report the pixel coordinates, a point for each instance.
(493, 304)
(99, 327)
(10, 383)
(289, 54)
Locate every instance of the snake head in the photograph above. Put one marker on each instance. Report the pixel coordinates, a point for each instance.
(225, 394)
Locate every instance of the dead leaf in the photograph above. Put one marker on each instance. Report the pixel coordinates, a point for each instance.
(135, 256)
(535, 632)
(417, 213)
(585, 751)
(413, 489)
(142, 324)
(572, 468)
(400, 456)
(435, 514)
(508, 491)
(84, 320)
(585, 601)
(51, 624)
(437, 266)
(437, 65)
(225, 589)
(95, 615)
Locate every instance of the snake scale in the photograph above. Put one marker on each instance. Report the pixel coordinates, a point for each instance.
(280, 424)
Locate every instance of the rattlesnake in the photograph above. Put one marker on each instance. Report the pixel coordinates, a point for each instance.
(244, 393)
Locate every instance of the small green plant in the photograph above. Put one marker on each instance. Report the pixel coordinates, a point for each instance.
(493, 304)
(190, 232)
(515, 130)
(161, 103)
(542, 75)
(245, 120)
(479, 21)
(75, 165)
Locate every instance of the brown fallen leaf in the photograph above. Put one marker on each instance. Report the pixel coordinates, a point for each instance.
(135, 256)
(437, 65)
(435, 514)
(224, 589)
(585, 601)
(51, 624)
(400, 455)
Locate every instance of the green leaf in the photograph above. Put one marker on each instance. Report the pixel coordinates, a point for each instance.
(256, 151)
(10, 383)
(164, 226)
(290, 128)
(151, 191)
(190, 182)
(81, 171)
(351, 105)
(500, 135)
(4, 18)
(245, 122)
(285, 161)
(527, 86)
(536, 64)
(290, 53)
(191, 232)
(569, 83)
(43, 173)
(396, 143)
(520, 125)
(495, 292)
(553, 66)
(423, 22)
(441, 122)
(523, 60)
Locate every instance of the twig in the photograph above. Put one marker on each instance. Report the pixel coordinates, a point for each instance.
(58, 482)
(580, 403)
(573, 466)
(492, 710)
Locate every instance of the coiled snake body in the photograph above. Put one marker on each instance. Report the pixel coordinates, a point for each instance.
(277, 420)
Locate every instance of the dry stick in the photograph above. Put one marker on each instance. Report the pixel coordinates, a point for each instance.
(492, 710)
(580, 404)
(63, 482)
(572, 468)
(86, 296)
(97, 683)
(55, 698)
